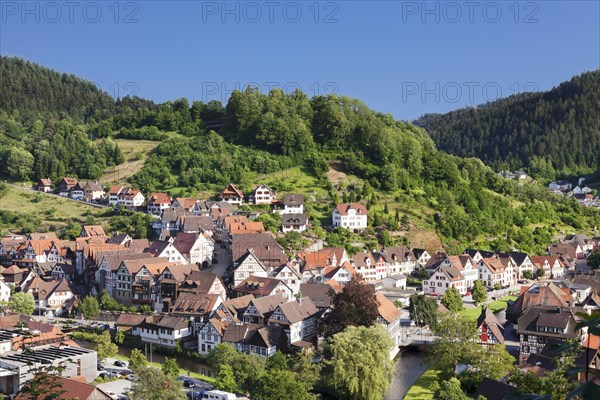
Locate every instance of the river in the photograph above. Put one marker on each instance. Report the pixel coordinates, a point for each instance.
(410, 365)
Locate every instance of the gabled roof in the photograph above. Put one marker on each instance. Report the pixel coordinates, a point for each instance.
(197, 223)
(173, 322)
(452, 273)
(232, 190)
(292, 199)
(519, 257)
(45, 182)
(298, 310)
(419, 252)
(238, 228)
(117, 239)
(267, 304)
(199, 281)
(93, 230)
(294, 219)
(493, 390)
(344, 208)
(554, 317)
(540, 295)
(258, 286)
(387, 310)
(134, 266)
(157, 247)
(262, 245)
(492, 323)
(159, 198)
(494, 265)
(360, 260)
(130, 319)
(47, 289)
(184, 242)
(194, 303)
(319, 293)
(435, 260)
(397, 254)
(71, 389)
(93, 186)
(236, 306)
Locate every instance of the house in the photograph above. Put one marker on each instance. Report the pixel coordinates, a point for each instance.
(165, 332)
(70, 389)
(196, 305)
(262, 287)
(313, 264)
(259, 310)
(435, 262)
(17, 366)
(92, 230)
(4, 290)
(342, 274)
(352, 216)
(203, 282)
(130, 323)
(197, 224)
(478, 255)
(232, 310)
(114, 193)
(256, 339)
(248, 265)
(490, 330)
(63, 271)
(298, 319)
(571, 251)
(523, 264)
(168, 283)
(464, 263)
(93, 191)
(394, 282)
(44, 185)
(65, 186)
(370, 265)
(538, 295)
(294, 223)
(195, 248)
(493, 273)
(319, 293)
(188, 204)
(422, 256)
(210, 335)
(389, 317)
(264, 247)
(232, 195)
(132, 199)
(77, 191)
(290, 204)
(54, 297)
(157, 202)
(493, 390)
(443, 278)
(562, 186)
(13, 274)
(135, 278)
(539, 324)
(166, 249)
(399, 260)
(262, 194)
(290, 276)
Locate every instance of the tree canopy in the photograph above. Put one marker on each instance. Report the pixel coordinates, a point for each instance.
(21, 303)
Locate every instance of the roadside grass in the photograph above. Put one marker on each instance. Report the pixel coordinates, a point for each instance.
(495, 306)
(423, 387)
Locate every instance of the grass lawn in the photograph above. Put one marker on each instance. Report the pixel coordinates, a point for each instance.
(495, 306)
(52, 210)
(181, 370)
(422, 389)
(136, 152)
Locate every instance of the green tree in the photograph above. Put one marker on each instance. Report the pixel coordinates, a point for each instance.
(19, 163)
(70, 231)
(423, 310)
(479, 292)
(137, 360)
(456, 343)
(119, 336)
(452, 300)
(21, 303)
(593, 260)
(170, 368)
(277, 361)
(153, 384)
(450, 390)
(360, 357)
(107, 302)
(355, 305)
(105, 347)
(307, 372)
(225, 379)
(279, 384)
(90, 307)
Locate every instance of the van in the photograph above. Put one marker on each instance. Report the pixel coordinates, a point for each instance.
(219, 395)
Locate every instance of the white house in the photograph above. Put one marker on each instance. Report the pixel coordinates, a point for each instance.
(132, 199)
(562, 186)
(523, 264)
(444, 277)
(288, 275)
(165, 332)
(294, 222)
(467, 267)
(493, 272)
(232, 195)
(210, 335)
(389, 318)
(166, 249)
(399, 260)
(248, 266)
(114, 192)
(77, 192)
(54, 297)
(291, 204)
(4, 290)
(370, 265)
(196, 248)
(157, 202)
(298, 318)
(262, 194)
(394, 282)
(351, 216)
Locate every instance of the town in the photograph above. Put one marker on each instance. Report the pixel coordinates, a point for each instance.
(216, 276)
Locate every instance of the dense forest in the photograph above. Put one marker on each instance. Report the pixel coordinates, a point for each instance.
(262, 133)
(552, 133)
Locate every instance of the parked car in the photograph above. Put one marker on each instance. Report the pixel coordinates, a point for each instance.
(112, 395)
(120, 363)
(130, 377)
(189, 383)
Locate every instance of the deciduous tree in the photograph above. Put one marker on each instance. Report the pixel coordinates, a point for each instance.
(423, 310)
(225, 379)
(21, 303)
(452, 300)
(90, 307)
(137, 360)
(478, 292)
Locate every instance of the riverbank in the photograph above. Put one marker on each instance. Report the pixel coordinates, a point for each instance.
(422, 389)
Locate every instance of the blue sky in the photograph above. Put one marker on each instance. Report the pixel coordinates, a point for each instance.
(401, 57)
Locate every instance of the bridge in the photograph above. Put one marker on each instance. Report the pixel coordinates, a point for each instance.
(415, 335)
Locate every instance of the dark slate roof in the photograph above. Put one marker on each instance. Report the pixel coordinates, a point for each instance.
(518, 257)
(319, 293)
(493, 390)
(553, 317)
(293, 199)
(294, 219)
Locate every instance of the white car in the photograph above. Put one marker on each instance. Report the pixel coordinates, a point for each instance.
(112, 395)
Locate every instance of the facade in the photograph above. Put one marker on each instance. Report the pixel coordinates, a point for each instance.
(350, 216)
(210, 335)
(249, 265)
(490, 330)
(157, 202)
(444, 277)
(294, 223)
(232, 195)
(44, 185)
(290, 204)
(262, 194)
(492, 272)
(165, 332)
(399, 260)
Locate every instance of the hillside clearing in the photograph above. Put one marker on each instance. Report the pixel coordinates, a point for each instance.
(136, 152)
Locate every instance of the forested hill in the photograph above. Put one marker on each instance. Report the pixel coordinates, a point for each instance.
(560, 126)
